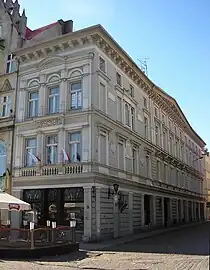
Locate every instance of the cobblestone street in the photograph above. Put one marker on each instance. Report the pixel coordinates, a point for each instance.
(185, 249)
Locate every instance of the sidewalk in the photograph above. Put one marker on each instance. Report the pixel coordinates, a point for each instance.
(131, 238)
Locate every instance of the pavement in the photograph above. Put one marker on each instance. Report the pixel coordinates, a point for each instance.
(183, 248)
(131, 238)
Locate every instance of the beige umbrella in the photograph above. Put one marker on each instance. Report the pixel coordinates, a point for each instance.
(12, 203)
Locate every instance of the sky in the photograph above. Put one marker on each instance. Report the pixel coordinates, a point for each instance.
(174, 35)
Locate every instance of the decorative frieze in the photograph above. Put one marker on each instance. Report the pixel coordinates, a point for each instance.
(49, 122)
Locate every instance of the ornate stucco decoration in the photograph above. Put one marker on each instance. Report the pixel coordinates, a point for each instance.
(49, 122)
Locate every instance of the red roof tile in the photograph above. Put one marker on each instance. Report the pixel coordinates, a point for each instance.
(29, 34)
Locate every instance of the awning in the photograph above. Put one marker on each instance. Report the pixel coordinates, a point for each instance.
(12, 203)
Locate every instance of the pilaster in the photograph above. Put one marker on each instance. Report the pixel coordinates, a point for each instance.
(199, 211)
(61, 144)
(162, 211)
(87, 213)
(130, 209)
(142, 211)
(153, 210)
(63, 91)
(98, 212)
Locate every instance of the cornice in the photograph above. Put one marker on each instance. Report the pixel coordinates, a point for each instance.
(98, 36)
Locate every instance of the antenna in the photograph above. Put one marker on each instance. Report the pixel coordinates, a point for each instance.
(143, 65)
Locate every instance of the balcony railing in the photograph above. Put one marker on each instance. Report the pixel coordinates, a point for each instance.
(59, 169)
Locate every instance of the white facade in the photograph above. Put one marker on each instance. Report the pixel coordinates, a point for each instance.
(79, 94)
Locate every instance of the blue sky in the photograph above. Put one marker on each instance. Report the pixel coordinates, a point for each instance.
(173, 34)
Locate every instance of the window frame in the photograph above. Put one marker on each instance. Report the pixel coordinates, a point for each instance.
(7, 105)
(33, 100)
(118, 76)
(10, 64)
(54, 99)
(122, 142)
(26, 151)
(103, 133)
(104, 62)
(54, 146)
(75, 142)
(76, 92)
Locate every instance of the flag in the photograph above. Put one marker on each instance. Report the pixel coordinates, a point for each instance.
(35, 158)
(66, 156)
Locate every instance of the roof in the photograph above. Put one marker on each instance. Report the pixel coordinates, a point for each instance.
(29, 34)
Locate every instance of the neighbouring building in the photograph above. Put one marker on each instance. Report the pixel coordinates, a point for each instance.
(98, 141)
(207, 186)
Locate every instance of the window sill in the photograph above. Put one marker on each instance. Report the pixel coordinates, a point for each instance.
(103, 75)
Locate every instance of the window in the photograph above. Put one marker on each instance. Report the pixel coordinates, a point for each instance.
(119, 79)
(165, 172)
(76, 95)
(3, 158)
(33, 104)
(102, 64)
(170, 125)
(156, 112)
(163, 119)
(164, 140)
(145, 102)
(54, 101)
(127, 115)
(157, 135)
(30, 151)
(181, 152)
(121, 154)
(177, 178)
(132, 118)
(134, 160)
(102, 97)
(131, 90)
(5, 106)
(10, 63)
(186, 156)
(103, 148)
(1, 32)
(148, 166)
(146, 127)
(158, 170)
(75, 147)
(52, 149)
(171, 144)
(119, 109)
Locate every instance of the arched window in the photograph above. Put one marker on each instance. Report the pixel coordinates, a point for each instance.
(3, 158)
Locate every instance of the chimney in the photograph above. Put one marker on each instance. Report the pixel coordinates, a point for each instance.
(22, 25)
(67, 27)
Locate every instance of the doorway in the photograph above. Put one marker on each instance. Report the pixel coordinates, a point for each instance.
(166, 211)
(147, 209)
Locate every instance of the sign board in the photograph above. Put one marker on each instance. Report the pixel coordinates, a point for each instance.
(14, 206)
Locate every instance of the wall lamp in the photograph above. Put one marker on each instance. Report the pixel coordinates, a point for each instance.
(116, 190)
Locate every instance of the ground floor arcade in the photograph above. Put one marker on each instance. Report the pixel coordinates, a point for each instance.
(108, 211)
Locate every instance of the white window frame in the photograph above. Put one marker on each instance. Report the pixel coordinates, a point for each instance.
(28, 149)
(131, 89)
(76, 143)
(53, 146)
(122, 142)
(105, 89)
(10, 65)
(157, 134)
(53, 97)
(5, 106)
(103, 133)
(165, 172)
(145, 101)
(1, 32)
(158, 169)
(76, 92)
(104, 62)
(148, 170)
(120, 78)
(135, 148)
(128, 106)
(146, 127)
(120, 101)
(133, 118)
(33, 101)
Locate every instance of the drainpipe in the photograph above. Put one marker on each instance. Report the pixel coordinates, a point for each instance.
(9, 186)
